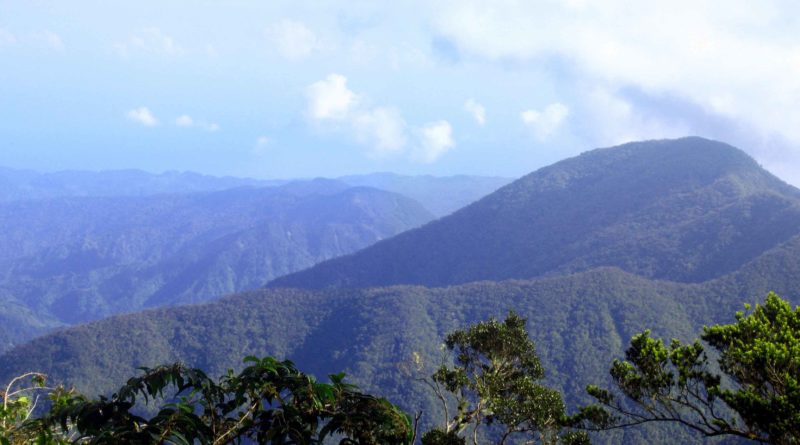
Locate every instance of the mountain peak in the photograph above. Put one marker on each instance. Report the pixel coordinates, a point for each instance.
(687, 209)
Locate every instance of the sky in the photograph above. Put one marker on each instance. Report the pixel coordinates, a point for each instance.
(275, 89)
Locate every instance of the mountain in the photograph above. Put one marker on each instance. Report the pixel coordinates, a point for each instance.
(441, 195)
(580, 323)
(665, 235)
(27, 184)
(71, 260)
(685, 210)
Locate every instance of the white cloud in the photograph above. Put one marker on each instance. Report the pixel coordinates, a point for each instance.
(184, 121)
(617, 121)
(545, 122)
(293, 39)
(261, 146)
(477, 111)
(149, 41)
(51, 40)
(142, 115)
(7, 37)
(383, 130)
(330, 98)
(436, 139)
(730, 57)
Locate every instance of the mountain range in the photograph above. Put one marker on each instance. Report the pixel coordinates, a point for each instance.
(441, 195)
(78, 246)
(664, 235)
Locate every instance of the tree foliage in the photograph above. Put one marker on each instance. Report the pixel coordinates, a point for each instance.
(268, 402)
(495, 383)
(757, 396)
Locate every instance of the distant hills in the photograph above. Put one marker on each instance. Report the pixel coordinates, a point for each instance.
(440, 195)
(667, 235)
(71, 260)
(78, 246)
(27, 184)
(686, 210)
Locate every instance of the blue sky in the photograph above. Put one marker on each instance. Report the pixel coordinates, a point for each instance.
(325, 88)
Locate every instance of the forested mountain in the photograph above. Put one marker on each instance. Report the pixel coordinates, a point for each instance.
(441, 195)
(685, 210)
(70, 260)
(661, 235)
(579, 322)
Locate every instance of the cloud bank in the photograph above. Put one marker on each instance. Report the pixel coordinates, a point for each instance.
(381, 129)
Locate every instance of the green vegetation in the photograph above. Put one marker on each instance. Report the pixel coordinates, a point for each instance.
(686, 210)
(372, 334)
(496, 385)
(71, 260)
(704, 228)
(757, 397)
(492, 393)
(268, 402)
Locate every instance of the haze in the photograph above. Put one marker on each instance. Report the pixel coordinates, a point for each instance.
(288, 89)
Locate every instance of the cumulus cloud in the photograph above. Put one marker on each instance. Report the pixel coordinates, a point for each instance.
(547, 121)
(184, 121)
(477, 111)
(187, 121)
(382, 129)
(142, 115)
(149, 41)
(732, 58)
(617, 121)
(330, 98)
(436, 139)
(41, 39)
(293, 40)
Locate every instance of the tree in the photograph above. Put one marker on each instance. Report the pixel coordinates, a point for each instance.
(757, 397)
(20, 399)
(269, 402)
(495, 383)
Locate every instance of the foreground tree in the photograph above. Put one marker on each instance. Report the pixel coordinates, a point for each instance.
(269, 402)
(19, 399)
(757, 397)
(495, 385)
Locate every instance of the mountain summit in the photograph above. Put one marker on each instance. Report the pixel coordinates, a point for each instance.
(687, 210)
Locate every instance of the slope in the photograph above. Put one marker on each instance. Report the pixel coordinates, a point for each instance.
(685, 210)
(69, 260)
(440, 195)
(580, 323)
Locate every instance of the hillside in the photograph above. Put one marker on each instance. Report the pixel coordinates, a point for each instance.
(686, 210)
(580, 323)
(665, 235)
(70, 260)
(440, 195)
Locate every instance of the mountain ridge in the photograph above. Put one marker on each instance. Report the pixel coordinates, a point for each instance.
(582, 213)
